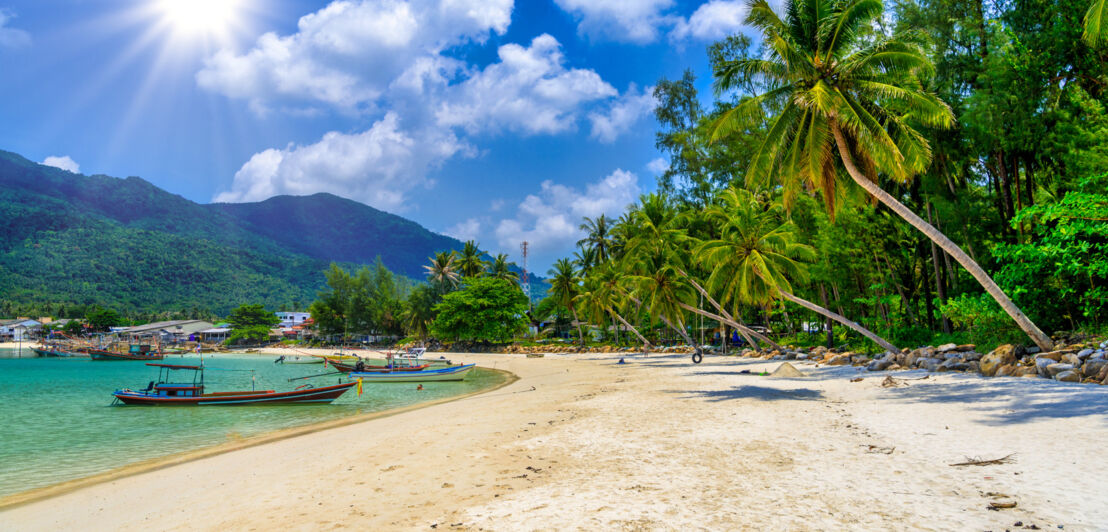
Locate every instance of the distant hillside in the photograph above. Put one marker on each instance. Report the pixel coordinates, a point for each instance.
(74, 239)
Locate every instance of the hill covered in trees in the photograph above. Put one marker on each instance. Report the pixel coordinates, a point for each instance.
(75, 240)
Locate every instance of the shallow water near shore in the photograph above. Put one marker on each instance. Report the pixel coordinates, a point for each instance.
(59, 423)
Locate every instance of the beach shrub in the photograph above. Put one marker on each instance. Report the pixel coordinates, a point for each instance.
(485, 309)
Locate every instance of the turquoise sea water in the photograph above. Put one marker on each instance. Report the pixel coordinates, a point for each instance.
(57, 421)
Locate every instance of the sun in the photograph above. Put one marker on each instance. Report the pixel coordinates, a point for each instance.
(207, 19)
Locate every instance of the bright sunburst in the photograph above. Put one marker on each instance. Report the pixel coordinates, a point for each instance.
(213, 20)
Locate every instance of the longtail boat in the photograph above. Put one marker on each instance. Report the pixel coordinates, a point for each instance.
(164, 392)
(136, 352)
(347, 368)
(453, 373)
(54, 351)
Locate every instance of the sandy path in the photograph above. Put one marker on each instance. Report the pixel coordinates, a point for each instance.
(653, 444)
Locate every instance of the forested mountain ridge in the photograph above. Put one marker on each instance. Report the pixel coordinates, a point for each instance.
(70, 239)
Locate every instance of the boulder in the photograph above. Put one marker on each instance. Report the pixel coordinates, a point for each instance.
(1070, 358)
(1006, 370)
(998, 357)
(966, 347)
(1068, 376)
(929, 364)
(895, 367)
(1102, 375)
(970, 355)
(1053, 355)
(1058, 367)
(953, 364)
(1041, 364)
(839, 360)
(1084, 353)
(946, 348)
(880, 364)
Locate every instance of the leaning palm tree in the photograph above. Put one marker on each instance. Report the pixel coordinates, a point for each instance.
(842, 103)
(757, 257)
(443, 271)
(470, 263)
(565, 286)
(601, 297)
(1096, 24)
(597, 236)
(501, 270)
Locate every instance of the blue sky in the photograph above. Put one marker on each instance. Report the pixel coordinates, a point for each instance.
(487, 119)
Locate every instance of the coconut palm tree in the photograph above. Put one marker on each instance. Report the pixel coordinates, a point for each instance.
(658, 235)
(585, 258)
(565, 286)
(842, 103)
(1096, 24)
(601, 297)
(500, 269)
(757, 257)
(597, 236)
(470, 263)
(443, 271)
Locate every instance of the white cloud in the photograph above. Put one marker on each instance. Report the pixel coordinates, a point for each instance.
(64, 162)
(642, 21)
(379, 166)
(550, 220)
(470, 229)
(635, 21)
(658, 166)
(715, 20)
(348, 53)
(11, 37)
(623, 114)
(529, 91)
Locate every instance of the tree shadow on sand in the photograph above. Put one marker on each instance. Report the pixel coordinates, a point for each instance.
(760, 393)
(1004, 401)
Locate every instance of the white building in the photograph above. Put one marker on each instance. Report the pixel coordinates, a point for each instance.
(19, 329)
(290, 319)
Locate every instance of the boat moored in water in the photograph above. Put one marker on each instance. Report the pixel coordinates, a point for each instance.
(164, 392)
(136, 352)
(452, 373)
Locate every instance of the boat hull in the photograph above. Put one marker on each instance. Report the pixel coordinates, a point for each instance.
(347, 368)
(98, 354)
(55, 353)
(324, 394)
(456, 373)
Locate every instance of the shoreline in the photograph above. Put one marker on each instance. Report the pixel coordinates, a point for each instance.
(15, 500)
(581, 442)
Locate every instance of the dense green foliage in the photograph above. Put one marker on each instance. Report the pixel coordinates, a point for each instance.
(102, 319)
(369, 301)
(1008, 181)
(485, 309)
(251, 323)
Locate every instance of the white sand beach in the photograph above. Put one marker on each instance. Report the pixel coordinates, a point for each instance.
(581, 443)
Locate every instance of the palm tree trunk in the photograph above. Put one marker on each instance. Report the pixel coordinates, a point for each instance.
(645, 342)
(580, 331)
(744, 330)
(680, 330)
(1042, 340)
(861, 330)
(938, 268)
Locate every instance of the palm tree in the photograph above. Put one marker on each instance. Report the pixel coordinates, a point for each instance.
(1096, 23)
(443, 271)
(830, 91)
(585, 258)
(757, 256)
(419, 311)
(597, 236)
(565, 286)
(657, 235)
(500, 269)
(470, 263)
(601, 296)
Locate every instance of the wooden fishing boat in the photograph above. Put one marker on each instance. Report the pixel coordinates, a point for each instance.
(164, 392)
(453, 373)
(55, 351)
(347, 368)
(136, 352)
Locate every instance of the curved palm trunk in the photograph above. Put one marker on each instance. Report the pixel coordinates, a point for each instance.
(1042, 340)
(580, 332)
(861, 330)
(680, 330)
(743, 329)
(645, 342)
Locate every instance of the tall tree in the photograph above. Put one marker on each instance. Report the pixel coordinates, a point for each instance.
(443, 271)
(469, 262)
(565, 286)
(597, 236)
(831, 90)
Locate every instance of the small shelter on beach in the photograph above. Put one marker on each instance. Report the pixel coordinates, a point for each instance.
(168, 331)
(19, 329)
